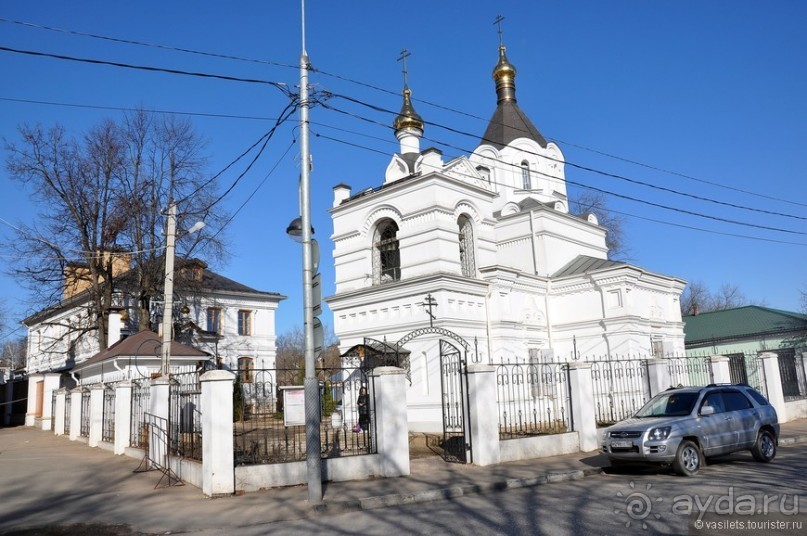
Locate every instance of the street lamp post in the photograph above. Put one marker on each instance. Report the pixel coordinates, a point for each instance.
(311, 386)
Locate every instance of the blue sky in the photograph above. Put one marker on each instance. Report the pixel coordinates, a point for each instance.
(710, 91)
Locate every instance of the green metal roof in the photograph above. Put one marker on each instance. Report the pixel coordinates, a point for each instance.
(741, 323)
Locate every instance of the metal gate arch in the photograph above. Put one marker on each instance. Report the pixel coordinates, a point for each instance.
(456, 417)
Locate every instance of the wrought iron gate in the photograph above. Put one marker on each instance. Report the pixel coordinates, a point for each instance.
(453, 382)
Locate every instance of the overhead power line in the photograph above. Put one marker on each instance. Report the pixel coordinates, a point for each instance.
(569, 163)
(282, 86)
(145, 44)
(390, 92)
(657, 205)
(129, 109)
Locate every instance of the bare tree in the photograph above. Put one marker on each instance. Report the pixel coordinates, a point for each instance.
(588, 202)
(14, 353)
(291, 355)
(101, 200)
(697, 298)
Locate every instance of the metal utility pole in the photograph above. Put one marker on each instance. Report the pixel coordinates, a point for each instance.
(168, 309)
(313, 454)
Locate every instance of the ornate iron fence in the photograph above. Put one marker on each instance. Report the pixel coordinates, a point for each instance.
(792, 372)
(689, 371)
(108, 421)
(532, 398)
(68, 403)
(184, 415)
(755, 373)
(84, 429)
(138, 427)
(269, 415)
(621, 386)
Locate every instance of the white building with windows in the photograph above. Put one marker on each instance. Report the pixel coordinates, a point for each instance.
(490, 239)
(216, 319)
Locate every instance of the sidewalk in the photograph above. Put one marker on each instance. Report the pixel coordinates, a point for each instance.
(48, 481)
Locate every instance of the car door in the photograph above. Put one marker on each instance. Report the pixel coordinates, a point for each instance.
(743, 417)
(717, 431)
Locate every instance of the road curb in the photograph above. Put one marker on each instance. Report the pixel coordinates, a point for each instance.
(792, 440)
(453, 492)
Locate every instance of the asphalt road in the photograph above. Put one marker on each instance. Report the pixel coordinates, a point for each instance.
(625, 502)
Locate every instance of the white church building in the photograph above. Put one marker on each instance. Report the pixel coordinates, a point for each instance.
(484, 247)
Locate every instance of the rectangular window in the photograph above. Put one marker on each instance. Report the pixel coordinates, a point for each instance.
(244, 322)
(245, 369)
(214, 319)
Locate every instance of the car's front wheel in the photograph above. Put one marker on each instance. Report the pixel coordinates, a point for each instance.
(687, 459)
(764, 450)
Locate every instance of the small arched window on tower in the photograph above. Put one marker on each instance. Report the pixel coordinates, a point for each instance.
(386, 255)
(466, 236)
(525, 175)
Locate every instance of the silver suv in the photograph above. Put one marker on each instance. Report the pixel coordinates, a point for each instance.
(682, 426)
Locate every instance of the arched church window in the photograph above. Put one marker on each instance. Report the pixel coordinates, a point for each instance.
(386, 255)
(525, 176)
(466, 236)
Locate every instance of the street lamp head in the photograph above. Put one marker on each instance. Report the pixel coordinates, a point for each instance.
(295, 229)
(196, 227)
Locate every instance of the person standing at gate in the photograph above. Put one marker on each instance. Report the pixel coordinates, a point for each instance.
(363, 402)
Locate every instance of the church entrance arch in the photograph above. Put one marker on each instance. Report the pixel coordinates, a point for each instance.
(454, 350)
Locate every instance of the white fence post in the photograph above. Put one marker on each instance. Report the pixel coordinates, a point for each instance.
(158, 406)
(217, 432)
(391, 428)
(58, 418)
(123, 416)
(658, 375)
(51, 384)
(96, 414)
(583, 413)
(484, 414)
(773, 384)
(75, 413)
(720, 369)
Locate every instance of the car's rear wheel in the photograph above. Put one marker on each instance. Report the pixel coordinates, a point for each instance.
(688, 459)
(764, 450)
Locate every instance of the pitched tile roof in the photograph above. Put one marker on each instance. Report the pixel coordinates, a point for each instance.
(741, 322)
(142, 344)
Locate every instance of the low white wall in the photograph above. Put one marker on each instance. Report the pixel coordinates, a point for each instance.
(796, 409)
(511, 450)
(189, 471)
(257, 477)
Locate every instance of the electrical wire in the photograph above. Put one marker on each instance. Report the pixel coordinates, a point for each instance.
(145, 44)
(557, 160)
(282, 86)
(390, 92)
(351, 144)
(124, 109)
(287, 112)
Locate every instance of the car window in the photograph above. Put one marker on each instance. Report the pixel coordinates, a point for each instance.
(669, 404)
(736, 401)
(756, 395)
(715, 400)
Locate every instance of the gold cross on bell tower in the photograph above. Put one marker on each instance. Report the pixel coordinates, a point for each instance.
(404, 54)
(498, 21)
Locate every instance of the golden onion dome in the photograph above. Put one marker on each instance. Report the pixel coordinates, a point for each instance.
(504, 74)
(408, 118)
